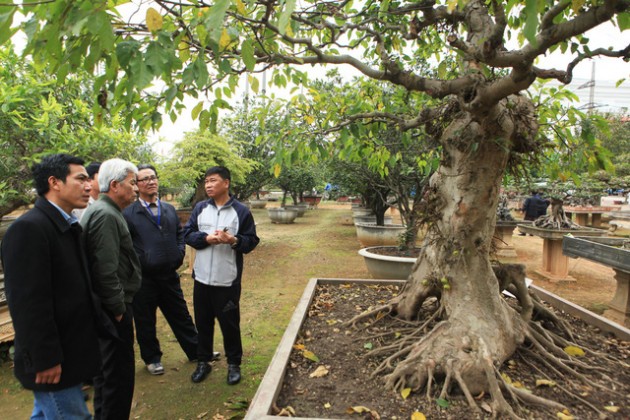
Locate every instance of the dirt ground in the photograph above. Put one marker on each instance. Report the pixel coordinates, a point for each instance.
(329, 375)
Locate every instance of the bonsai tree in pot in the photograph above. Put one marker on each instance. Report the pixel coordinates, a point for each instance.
(476, 109)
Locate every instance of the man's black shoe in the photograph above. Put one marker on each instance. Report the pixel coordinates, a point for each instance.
(234, 374)
(203, 369)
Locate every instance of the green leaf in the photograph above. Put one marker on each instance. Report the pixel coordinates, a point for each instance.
(196, 110)
(6, 20)
(285, 16)
(623, 20)
(368, 346)
(247, 52)
(442, 402)
(125, 50)
(200, 72)
(531, 23)
(214, 20)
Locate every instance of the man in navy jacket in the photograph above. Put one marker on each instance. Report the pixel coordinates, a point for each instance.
(55, 313)
(221, 229)
(159, 242)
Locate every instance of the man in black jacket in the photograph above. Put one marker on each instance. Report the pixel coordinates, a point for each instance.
(49, 292)
(159, 242)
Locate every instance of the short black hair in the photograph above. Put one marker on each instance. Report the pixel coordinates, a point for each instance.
(92, 169)
(57, 165)
(222, 171)
(147, 166)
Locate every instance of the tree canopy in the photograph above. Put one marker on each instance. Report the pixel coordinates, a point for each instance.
(39, 116)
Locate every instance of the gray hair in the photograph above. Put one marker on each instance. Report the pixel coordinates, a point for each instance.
(114, 170)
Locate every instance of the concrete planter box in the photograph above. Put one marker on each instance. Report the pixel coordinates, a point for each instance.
(301, 210)
(370, 234)
(386, 266)
(271, 384)
(282, 215)
(606, 251)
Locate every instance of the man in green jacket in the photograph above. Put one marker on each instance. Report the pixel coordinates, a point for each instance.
(116, 276)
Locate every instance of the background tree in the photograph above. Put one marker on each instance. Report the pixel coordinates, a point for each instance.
(39, 116)
(250, 128)
(479, 116)
(192, 156)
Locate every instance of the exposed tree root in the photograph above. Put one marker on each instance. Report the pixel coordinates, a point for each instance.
(415, 360)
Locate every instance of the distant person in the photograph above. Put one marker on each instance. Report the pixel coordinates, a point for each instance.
(49, 293)
(116, 276)
(158, 239)
(92, 171)
(534, 207)
(221, 229)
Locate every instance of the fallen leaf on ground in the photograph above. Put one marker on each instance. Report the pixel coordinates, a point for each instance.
(310, 355)
(319, 372)
(574, 351)
(545, 382)
(418, 416)
(327, 405)
(405, 393)
(611, 408)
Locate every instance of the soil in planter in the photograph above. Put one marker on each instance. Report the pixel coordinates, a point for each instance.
(394, 251)
(329, 376)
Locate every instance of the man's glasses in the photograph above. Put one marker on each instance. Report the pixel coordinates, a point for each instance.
(148, 179)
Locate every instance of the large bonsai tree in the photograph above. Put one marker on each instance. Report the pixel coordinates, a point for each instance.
(478, 114)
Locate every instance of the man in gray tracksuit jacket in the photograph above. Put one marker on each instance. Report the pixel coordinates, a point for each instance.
(221, 229)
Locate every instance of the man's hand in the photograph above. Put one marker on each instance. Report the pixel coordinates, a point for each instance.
(213, 239)
(225, 237)
(49, 376)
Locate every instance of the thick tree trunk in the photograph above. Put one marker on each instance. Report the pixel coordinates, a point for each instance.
(478, 329)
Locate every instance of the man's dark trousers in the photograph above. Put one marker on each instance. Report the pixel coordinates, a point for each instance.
(221, 303)
(164, 293)
(113, 387)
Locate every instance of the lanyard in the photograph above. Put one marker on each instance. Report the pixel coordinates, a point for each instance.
(158, 217)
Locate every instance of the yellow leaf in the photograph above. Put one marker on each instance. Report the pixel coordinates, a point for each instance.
(545, 382)
(310, 355)
(309, 119)
(240, 7)
(327, 405)
(574, 351)
(611, 408)
(225, 39)
(380, 315)
(276, 170)
(418, 416)
(299, 346)
(405, 393)
(506, 378)
(184, 51)
(319, 372)
(358, 409)
(452, 4)
(563, 416)
(154, 20)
